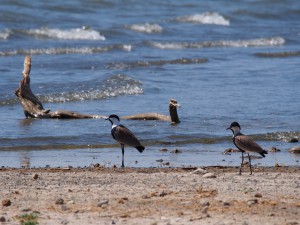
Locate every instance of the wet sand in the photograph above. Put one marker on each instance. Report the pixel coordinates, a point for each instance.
(98, 195)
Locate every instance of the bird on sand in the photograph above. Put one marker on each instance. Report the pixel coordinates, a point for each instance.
(123, 135)
(245, 144)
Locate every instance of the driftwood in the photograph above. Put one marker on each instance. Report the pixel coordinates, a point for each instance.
(33, 108)
(173, 105)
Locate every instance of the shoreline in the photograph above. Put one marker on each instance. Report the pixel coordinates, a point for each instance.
(102, 195)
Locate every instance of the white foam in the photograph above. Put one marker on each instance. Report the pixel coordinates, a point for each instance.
(4, 34)
(274, 41)
(71, 34)
(146, 28)
(205, 18)
(56, 51)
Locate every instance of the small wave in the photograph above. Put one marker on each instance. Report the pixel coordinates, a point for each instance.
(146, 28)
(58, 51)
(282, 136)
(4, 34)
(204, 18)
(155, 63)
(274, 41)
(114, 86)
(278, 54)
(71, 34)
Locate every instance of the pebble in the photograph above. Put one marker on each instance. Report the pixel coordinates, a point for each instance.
(273, 149)
(59, 201)
(209, 175)
(2, 219)
(252, 202)
(35, 176)
(230, 150)
(295, 150)
(176, 151)
(294, 140)
(205, 203)
(226, 203)
(258, 195)
(6, 202)
(204, 211)
(103, 203)
(199, 171)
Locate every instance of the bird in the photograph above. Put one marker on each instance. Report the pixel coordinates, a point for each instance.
(245, 144)
(173, 118)
(123, 135)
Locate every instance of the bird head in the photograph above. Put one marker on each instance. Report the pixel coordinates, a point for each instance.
(114, 119)
(234, 127)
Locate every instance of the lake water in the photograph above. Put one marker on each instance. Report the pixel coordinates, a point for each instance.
(128, 57)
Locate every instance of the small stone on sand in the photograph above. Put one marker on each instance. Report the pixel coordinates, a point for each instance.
(209, 175)
(6, 202)
(59, 201)
(295, 150)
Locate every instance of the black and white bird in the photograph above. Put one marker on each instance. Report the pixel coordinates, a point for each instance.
(245, 143)
(123, 135)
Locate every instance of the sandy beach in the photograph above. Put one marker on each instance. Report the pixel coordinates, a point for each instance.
(98, 195)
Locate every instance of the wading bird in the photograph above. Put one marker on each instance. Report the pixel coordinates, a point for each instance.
(244, 143)
(123, 135)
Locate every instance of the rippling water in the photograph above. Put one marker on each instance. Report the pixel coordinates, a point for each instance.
(223, 61)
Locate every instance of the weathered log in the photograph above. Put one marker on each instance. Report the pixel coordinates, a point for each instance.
(31, 105)
(173, 105)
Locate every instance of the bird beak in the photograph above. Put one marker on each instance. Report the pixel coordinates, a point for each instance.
(106, 118)
(228, 128)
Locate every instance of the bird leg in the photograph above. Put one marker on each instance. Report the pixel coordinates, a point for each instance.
(250, 164)
(242, 163)
(122, 146)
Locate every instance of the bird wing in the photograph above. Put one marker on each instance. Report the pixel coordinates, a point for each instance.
(124, 136)
(247, 144)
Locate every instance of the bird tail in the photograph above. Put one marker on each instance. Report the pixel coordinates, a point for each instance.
(263, 153)
(140, 148)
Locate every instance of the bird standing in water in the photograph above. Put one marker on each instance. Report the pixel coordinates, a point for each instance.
(245, 144)
(123, 135)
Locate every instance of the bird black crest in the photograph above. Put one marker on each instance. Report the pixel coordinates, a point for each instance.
(114, 116)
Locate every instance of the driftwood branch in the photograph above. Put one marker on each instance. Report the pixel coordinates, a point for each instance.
(173, 118)
(33, 108)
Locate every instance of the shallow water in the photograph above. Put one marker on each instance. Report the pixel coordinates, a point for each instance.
(222, 61)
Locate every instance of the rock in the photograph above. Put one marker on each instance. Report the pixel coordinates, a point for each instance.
(230, 150)
(206, 203)
(226, 203)
(252, 202)
(204, 211)
(163, 150)
(294, 140)
(6, 202)
(273, 149)
(209, 175)
(258, 195)
(295, 150)
(199, 171)
(2, 219)
(59, 201)
(26, 209)
(35, 176)
(176, 151)
(103, 203)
